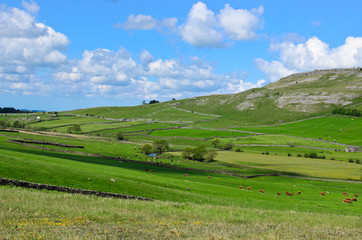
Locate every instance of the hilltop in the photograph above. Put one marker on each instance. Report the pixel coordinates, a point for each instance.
(295, 97)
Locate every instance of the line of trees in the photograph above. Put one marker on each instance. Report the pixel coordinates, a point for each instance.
(350, 112)
(159, 146)
(199, 154)
(10, 110)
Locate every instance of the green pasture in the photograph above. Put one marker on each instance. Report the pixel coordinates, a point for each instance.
(282, 140)
(343, 129)
(122, 112)
(170, 184)
(197, 133)
(172, 114)
(68, 121)
(294, 151)
(306, 166)
(34, 214)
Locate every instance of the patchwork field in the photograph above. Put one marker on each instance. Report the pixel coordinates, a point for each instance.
(243, 166)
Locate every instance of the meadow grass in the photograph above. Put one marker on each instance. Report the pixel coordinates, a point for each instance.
(343, 129)
(306, 166)
(34, 214)
(172, 114)
(170, 184)
(197, 133)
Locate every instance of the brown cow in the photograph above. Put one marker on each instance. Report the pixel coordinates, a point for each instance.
(152, 170)
(322, 193)
(209, 177)
(186, 175)
(299, 192)
(241, 187)
(347, 200)
(279, 193)
(249, 188)
(345, 194)
(262, 191)
(354, 199)
(356, 195)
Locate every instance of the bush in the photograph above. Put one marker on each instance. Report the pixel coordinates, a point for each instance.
(306, 155)
(357, 161)
(313, 155)
(228, 146)
(267, 153)
(187, 153)
(147, 149)
(120, 136)
(351, 160)
(18, 124)
(289, 154)
(215, 142)
(332, 158)
(239, 150)
(4, 123)
(299, 155)
(76, 128)
(199, 153)
(210, 155)
(160, 146)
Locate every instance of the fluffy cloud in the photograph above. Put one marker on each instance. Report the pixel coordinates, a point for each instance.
(147, 22)
(30, 6)
(32, 62)
(240, 24)
(25, 44)
(201, 27)
(310, 55)
(204, 28)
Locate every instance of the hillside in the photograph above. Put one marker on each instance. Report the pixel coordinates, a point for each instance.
(295, 97)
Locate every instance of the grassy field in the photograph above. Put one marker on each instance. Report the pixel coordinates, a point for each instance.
(193, 200)
(343, 129)
(304, 166)
(197, 133)
(32, 214)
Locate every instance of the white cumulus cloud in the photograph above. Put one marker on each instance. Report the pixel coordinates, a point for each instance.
(203, 27)
(310, 55)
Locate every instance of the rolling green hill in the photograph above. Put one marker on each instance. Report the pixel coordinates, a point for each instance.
(295, 97)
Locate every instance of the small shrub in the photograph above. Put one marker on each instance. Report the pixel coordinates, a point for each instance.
(299, 155)
(313, 155)
(332, 158)
(351, 160)
(228, 146)
(357, 161)
(239, 150)
(199, 153)
(322, 157)
(289, 154)
(120, 136)
(147, 149)
(210, 155)
(187, 153)
(267, 153)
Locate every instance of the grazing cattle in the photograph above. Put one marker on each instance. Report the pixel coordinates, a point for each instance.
(322, 193)
(262, 191)
(289, 194)
(152, 170)
(299, 192)
(279, 193)
(241, 187)
(354, 199)
(146, 170)
(209, 177)
(249, 188)
(356, 195)
(186, 175)
(347, 200)
(345, 194)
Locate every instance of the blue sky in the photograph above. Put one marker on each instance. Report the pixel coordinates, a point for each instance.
(61, 55)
